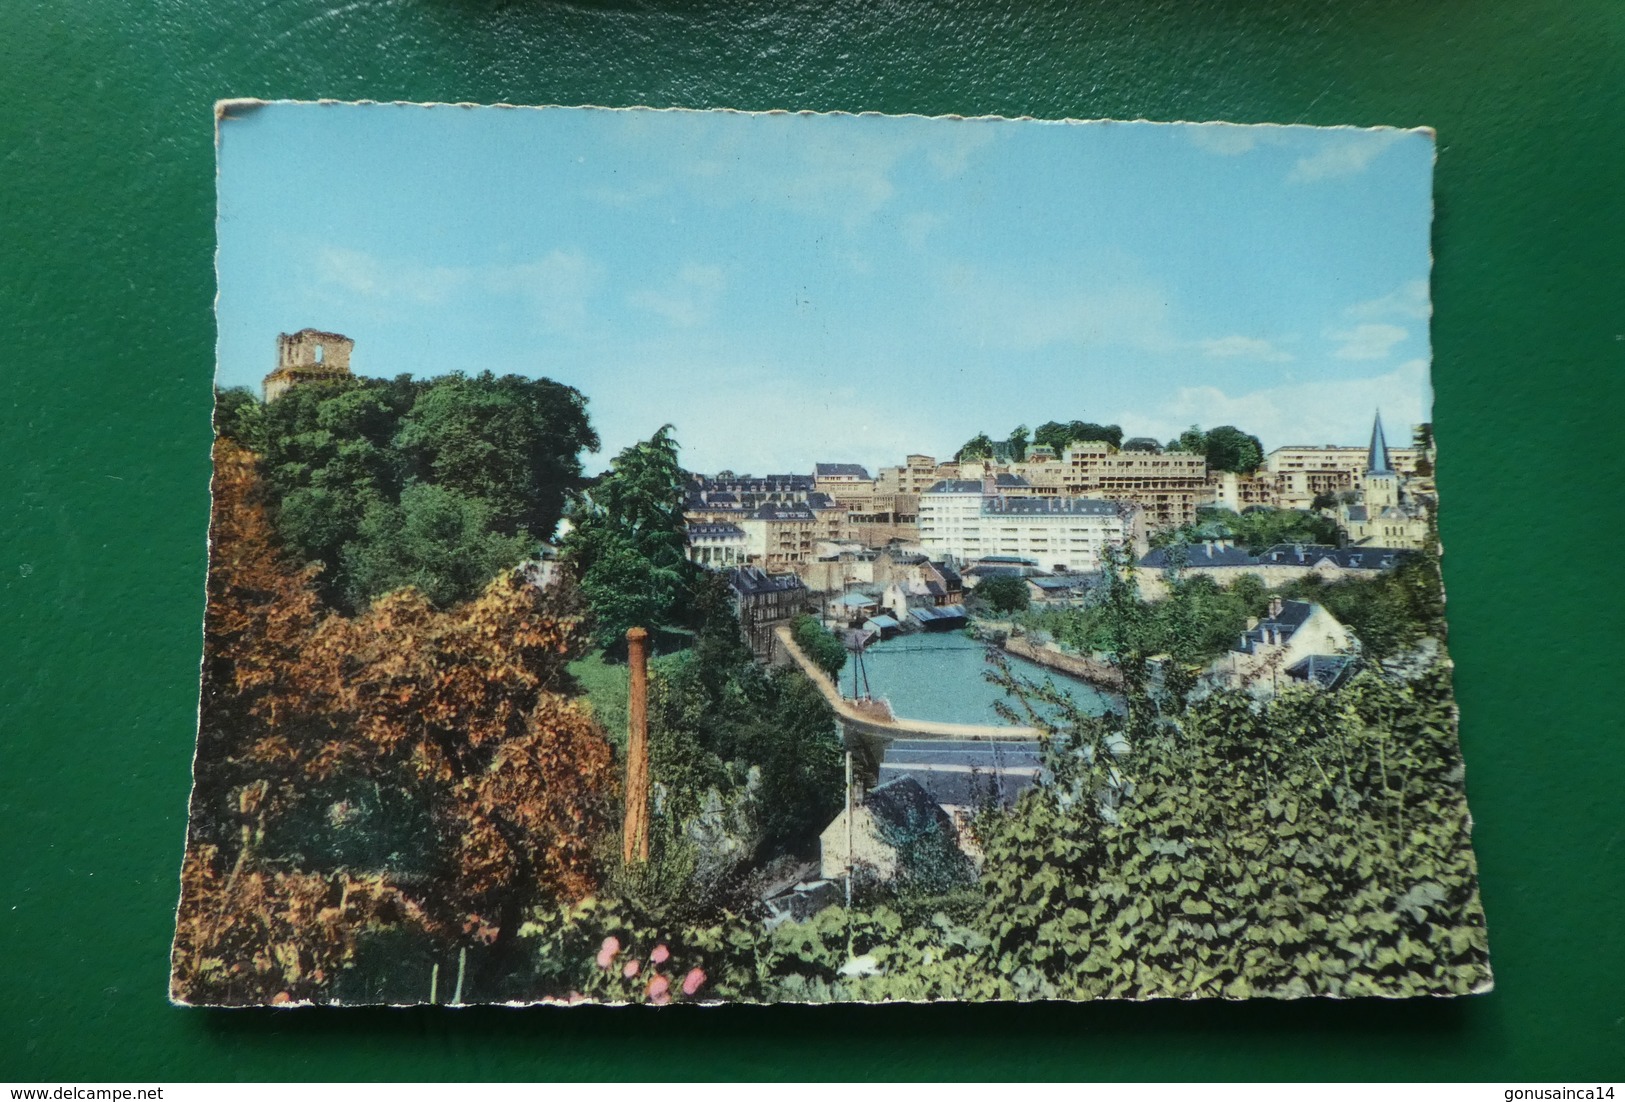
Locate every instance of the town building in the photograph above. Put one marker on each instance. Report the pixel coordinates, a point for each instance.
(1384, 511)
(764, 601)
(1224, 562)
(718, 545)
(1302, 473)
(1292, 632)
(868, 836)
(1168, 486)
(308, 356)
(1240, 492)
(966, 520)
(780, 536)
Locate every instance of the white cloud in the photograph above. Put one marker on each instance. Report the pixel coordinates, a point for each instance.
(689, 299)
(1369, 341)
(1031, 312)
(559, 286)
(916, 227)
(748, 431)
(1229, 139)
(1239, 347)
(365, 275)
(1409, 301)
(1322, 412)
(1344, 155)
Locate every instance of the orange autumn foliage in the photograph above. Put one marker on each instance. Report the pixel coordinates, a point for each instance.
(465, 707)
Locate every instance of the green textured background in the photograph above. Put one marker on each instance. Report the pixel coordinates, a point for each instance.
(106, 345)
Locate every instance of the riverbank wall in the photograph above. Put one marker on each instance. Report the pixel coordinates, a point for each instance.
(875, 721)
(1101, 675)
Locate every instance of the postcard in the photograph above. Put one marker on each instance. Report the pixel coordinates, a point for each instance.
(681, 557)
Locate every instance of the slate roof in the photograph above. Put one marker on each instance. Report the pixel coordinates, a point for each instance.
(1326, 670)
(715, 531)
(956, 486)
(949, 575)
(964, 773)
(1350, 558)
(1059, 585)
(840, 470)
(1045, 506)
(1202, 555)
(1293, 615)
(1011, 481)
(751, 581)
(945, 613)
(903, 803)
(772, 511)
(1377, 461)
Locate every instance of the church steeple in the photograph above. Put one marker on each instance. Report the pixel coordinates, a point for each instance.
(1377, 461)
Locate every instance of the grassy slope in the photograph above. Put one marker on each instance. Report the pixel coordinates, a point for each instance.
(605, 688)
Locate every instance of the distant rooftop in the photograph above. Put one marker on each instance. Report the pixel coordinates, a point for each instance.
(840, 470)
(1033, 506)
(956, 486)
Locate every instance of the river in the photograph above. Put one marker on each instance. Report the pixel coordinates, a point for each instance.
(941, 676)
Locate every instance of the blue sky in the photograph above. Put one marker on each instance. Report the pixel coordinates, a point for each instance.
(788, 289)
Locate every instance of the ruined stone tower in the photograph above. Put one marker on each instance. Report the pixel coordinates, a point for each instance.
(308, 356)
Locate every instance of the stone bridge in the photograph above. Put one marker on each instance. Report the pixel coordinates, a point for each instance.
(870, 727)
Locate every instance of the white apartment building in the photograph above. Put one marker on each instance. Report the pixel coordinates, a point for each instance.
(1064, 534)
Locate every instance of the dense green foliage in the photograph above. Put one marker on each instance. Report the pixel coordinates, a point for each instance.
(627, 543)
(979, 446)
(1053, 434)
(725, 730)
(1197, 620)
(1004, 593)
(437, 483)
(1059, 434)
(1226, 448)
(1390, 612)
(1317, 844)
(1256, 529)
(818, 644)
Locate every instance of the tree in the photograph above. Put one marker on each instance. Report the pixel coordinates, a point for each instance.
(1422, 441)
(1059, 435)
(514, 443)
(438, 540)
(1229, 449)
(816, 642)
(1004, 593)
(1193, 441)
(978, 447)
(1018, 443)
(463, 710)
(628, 541)
(341, 458)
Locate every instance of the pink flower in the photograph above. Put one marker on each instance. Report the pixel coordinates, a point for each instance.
(631, 969)
(607, 952)
(692, 981)
(659, 988)
(659, 955)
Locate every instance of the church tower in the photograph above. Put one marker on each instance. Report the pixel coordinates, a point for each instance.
(1381, 481)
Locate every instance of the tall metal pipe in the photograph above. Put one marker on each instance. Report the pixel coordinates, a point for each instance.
(635, 836)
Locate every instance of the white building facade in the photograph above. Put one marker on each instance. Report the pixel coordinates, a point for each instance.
(959, 519)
